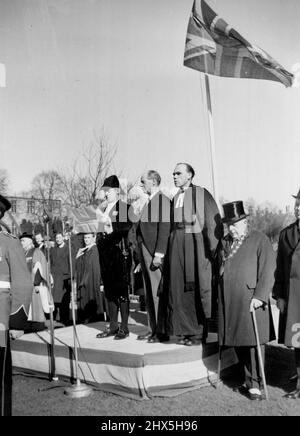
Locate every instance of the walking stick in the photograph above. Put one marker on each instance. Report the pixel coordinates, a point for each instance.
(261, 364)
(219, 367)
(53, 375)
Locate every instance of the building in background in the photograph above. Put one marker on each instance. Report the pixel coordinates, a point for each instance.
(27, 213)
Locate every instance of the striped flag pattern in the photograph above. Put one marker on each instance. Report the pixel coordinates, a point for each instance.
(214, 47)
(86, 219)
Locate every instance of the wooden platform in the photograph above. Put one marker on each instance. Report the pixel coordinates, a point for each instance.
(128, 367)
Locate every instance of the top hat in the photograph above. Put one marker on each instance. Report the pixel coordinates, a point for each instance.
(4, 204)
(111, 182)
(234, 212)
(297, 196)
(26, 235)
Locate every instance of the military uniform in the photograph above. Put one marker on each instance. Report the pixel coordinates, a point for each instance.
(15, 297)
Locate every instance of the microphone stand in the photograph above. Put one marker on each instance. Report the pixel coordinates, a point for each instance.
(53, 375)
(78, 389)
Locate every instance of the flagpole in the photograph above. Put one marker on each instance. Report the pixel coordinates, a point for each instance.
(211, 139)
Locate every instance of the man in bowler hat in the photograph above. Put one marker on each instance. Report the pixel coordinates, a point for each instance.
(246, 266)
(286, 290)
(115, 259)
(15, 298)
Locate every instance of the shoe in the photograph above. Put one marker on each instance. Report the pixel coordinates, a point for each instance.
(153, 339)
(121, 334)
(181, 341)
(144, 337)
(255, 395)
(106, 333)
(293, 395)
(191, 342)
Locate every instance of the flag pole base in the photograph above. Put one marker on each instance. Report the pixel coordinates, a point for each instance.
(54, 379)
(78, 390)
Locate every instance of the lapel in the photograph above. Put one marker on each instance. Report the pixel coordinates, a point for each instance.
(146, 211)
(292, 237)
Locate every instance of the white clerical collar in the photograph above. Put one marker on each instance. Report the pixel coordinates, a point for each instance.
(180, 198)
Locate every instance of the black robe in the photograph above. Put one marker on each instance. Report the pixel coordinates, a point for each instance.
(195, 231)
(88, 278)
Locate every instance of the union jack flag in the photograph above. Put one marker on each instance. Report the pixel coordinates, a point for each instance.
(214, 47)
(86, 219)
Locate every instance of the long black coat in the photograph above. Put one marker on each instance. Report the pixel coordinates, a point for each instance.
(195, 232)
(115, 267)
(60, 269)
(287, 282)
(248, 274)
(88, 279)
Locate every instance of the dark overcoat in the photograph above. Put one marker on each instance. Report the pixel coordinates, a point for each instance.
(60, 269)
(115, 267)
(88, 280)
(248, 274)
(287, 283)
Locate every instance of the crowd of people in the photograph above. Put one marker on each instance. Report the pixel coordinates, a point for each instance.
(190, 260)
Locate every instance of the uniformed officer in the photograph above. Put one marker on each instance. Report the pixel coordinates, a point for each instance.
(15, 297)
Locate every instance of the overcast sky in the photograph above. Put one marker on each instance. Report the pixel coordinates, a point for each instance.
(75, 67)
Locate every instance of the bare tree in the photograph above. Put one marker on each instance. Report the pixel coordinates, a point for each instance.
(47, 186)
(4, 181)
(81, 184)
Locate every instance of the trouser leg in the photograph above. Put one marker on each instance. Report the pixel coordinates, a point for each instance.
(64, 308)
(248, 357)
(5, 379)
(151, 284)
(124, 310)
(113, 307)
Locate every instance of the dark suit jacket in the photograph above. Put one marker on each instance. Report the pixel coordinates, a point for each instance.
(154, 225)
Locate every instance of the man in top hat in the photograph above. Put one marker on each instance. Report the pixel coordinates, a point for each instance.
(287, 289)
(15, 298)
(115, 259)
(246, 265)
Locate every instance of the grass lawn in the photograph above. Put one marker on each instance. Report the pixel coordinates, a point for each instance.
(38, 397)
